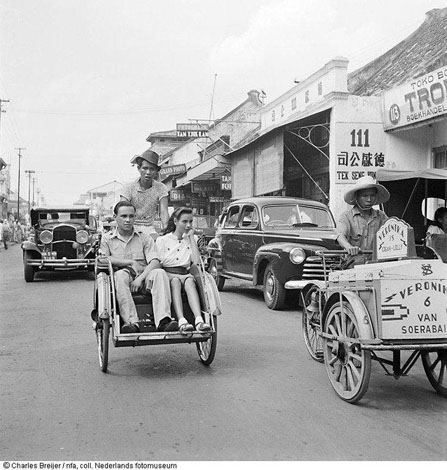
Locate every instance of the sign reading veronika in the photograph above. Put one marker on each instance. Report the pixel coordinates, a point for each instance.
(393, 239)
(416, 101)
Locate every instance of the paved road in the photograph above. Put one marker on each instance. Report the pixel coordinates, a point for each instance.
(263, 398)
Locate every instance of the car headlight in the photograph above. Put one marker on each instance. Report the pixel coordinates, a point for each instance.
(82, 236)
(46, 237)
(297, 255)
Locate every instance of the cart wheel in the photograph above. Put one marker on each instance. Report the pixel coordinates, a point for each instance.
(435, 365)
(28, 271)
(207, 349)
(274, 291)
(102, 337)
(347, 365)
(311, 325)
(219, 280)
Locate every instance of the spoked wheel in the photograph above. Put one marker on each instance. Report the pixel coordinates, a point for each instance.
(102, 337)
(347, 365)
(274, 291)
(207, 349)
(214, 271)
(310, 321)
(435, 366)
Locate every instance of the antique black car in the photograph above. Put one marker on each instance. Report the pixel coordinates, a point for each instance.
(270, 241)
(60, 239)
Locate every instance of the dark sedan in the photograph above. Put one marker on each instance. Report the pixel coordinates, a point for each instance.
(270, 241)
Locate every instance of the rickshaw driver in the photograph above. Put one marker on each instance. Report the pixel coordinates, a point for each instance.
(358, 226)
(135, 256)
(146, 193)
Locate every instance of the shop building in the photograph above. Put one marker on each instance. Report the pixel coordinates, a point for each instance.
(330, 129)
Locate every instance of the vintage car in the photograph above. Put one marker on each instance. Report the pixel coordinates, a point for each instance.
(60, 239)
(270, 241)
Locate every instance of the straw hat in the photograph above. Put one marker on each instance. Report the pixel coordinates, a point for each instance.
(366, 182)
(150, 156)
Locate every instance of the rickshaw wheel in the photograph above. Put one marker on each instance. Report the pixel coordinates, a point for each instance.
(311, 325)
(435, 366)
(102, 337)
(207, 349)
(347, 365)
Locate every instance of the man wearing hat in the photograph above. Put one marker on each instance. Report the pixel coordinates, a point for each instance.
(357, 227)
(147, 194)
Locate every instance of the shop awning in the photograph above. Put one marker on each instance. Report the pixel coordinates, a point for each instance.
(207, 170)
(395, 175)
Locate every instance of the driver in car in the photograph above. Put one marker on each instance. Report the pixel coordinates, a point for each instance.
(357, 227)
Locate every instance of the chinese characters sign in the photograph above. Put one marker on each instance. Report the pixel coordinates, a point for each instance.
(359, 151)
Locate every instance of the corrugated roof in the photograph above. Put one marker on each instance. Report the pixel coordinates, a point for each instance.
(423, 51)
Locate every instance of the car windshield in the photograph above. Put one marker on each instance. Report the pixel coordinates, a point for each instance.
(294, 215)
(46, 218)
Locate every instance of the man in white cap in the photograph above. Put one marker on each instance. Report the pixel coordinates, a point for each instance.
(147, 194)
(357, 227)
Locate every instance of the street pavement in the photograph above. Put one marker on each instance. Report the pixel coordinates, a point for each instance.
(263, 398)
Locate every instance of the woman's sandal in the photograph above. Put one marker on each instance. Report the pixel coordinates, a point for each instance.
(202, 327)
(186, 328)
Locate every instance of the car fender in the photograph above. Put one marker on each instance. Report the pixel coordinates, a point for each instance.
(30, 246)
(260, 262)
(361, 313)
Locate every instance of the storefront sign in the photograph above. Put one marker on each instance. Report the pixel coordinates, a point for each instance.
(203, 187)
(177, 195)
(217, 199)
(192, 129)
(172, 170)
(359, 151)
(225, 182)
(416, 101)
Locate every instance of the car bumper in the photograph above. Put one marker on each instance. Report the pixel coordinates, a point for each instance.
(63, 263)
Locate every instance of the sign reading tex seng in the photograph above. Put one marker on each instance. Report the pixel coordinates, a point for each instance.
(416, 101)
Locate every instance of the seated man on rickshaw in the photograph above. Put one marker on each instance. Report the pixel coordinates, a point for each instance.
(357, 227)
(134, 256)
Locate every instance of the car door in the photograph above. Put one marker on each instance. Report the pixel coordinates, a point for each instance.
(227, 237)
(247, 239)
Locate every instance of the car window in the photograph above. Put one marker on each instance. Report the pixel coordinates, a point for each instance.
(249, 218)
(233, 215)
(293, 215)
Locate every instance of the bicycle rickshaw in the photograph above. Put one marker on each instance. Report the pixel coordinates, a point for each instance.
(107, 321)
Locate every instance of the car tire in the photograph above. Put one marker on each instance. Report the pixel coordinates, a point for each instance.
(274, 291)
(214, 271)
(28, 271)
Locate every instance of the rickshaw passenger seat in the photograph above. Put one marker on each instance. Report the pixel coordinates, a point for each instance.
(438, 243)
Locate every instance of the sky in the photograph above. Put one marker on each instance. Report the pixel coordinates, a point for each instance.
(89, 80)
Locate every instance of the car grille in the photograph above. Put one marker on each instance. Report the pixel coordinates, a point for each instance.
(313, 267)
(63, 238)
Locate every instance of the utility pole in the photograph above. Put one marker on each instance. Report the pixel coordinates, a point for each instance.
(2, 111)
(34, 182)
(30, 172)
(18, 184)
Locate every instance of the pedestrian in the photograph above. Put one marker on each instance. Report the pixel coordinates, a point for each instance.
(134, 256)
(357, 227)
(176, 248)
(6, 233)
(147, 194)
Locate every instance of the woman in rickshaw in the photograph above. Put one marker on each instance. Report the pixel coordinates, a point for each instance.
(177, 248)
(441, 223)
(357, 227)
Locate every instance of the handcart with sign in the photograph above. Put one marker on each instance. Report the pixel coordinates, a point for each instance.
(107, 322)
(395, 303)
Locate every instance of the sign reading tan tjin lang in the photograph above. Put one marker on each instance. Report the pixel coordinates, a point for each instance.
(416, 101)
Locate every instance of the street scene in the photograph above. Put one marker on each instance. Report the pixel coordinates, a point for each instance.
(223, 233)
(263, 398)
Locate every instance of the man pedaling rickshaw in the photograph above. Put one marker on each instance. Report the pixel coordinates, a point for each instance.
(357, 227)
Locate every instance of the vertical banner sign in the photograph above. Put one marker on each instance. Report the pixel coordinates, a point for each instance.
(359, 151)
(416, 101)
(225, 182)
